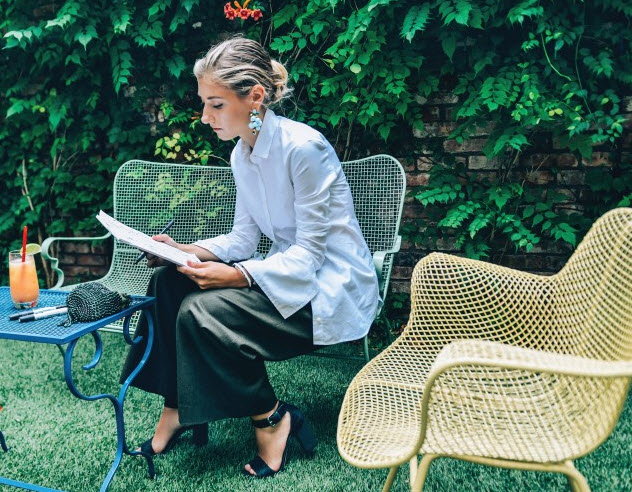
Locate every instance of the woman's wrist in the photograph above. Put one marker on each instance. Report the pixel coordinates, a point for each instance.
(244, 273)
(201, 253)
(240, 279)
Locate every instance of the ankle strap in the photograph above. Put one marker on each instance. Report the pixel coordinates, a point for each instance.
(273, 419)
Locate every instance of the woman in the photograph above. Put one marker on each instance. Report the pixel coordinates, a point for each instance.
(219, 320)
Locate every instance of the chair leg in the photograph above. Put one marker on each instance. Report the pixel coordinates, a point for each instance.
(576, 480)
(422, 472)
(413, 469)
(388, 327)
(390, 479)
(366, 348)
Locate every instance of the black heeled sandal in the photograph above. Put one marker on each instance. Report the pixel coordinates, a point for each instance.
(200, 438)
(299, 428)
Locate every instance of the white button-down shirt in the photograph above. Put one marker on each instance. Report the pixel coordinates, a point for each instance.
(291, 188)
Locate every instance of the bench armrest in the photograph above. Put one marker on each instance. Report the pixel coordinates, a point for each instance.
(380, 256)
(54, 262)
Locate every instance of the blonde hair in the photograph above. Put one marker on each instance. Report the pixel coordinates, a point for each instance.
(239, 64)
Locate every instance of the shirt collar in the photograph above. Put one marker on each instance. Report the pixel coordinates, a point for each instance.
(266, 134)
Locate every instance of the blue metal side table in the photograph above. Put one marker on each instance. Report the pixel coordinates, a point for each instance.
(48, 331)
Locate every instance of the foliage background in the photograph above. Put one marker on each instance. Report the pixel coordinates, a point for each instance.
(88, 85)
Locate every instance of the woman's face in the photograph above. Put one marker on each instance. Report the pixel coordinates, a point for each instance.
(226, 112)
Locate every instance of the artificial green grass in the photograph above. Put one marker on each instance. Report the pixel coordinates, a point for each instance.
(61, 442)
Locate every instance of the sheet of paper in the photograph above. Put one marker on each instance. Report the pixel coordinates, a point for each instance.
(143, 242)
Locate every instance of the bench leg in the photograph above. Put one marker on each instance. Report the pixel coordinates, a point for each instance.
(3, 443)
(365, 343)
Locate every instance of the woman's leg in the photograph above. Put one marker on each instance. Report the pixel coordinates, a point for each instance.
(223, 338)
(271, 441)
(159, 373)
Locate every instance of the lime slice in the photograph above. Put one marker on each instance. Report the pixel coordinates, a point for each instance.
(32, 249)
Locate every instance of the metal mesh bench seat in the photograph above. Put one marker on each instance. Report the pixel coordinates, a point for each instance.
(202, 199)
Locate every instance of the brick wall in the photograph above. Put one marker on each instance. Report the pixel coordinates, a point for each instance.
(546, 164)
(83, 261)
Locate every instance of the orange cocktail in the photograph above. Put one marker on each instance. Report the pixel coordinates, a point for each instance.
(23, 280)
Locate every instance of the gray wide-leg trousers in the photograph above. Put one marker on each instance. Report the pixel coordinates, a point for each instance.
(210, 346)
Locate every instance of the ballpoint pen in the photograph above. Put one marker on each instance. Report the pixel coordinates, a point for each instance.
(164, 229)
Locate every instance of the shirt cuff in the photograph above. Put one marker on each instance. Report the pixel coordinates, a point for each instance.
(219, 246)
(288, 285)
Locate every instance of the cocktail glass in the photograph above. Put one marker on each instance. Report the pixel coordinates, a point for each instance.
(23, 280)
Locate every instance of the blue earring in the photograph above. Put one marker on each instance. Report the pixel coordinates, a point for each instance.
(255, 122)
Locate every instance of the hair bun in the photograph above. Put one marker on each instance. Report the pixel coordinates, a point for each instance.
(281, 78)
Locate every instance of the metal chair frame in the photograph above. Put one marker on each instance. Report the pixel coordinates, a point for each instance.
(501, 367)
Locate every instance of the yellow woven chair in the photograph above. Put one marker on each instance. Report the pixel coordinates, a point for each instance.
(501, 367)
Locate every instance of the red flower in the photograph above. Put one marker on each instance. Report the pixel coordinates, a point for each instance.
(244, 13)
(256, 14)
(230, 14)
(227, 8)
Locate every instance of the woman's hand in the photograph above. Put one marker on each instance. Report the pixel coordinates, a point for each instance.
(155, 261)
(201, 253)
(213, 275)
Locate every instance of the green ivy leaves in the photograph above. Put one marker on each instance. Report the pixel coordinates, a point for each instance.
(415, 20)
(455, 11)
(82, 81)
(122, 64)
(176, 66)
(527, 9)
(85, 35)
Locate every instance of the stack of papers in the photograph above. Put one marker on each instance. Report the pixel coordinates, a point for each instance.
(143, 242)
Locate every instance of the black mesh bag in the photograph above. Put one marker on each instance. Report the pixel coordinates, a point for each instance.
(93, 301)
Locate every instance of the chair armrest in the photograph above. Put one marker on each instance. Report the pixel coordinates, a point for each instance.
(478, 387)
(380, 256)
(54, 262)
(485, 354)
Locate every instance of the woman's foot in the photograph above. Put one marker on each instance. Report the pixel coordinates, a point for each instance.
(167, 427)
(271, 441)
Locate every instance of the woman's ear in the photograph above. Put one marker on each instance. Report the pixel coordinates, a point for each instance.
(257, 95)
